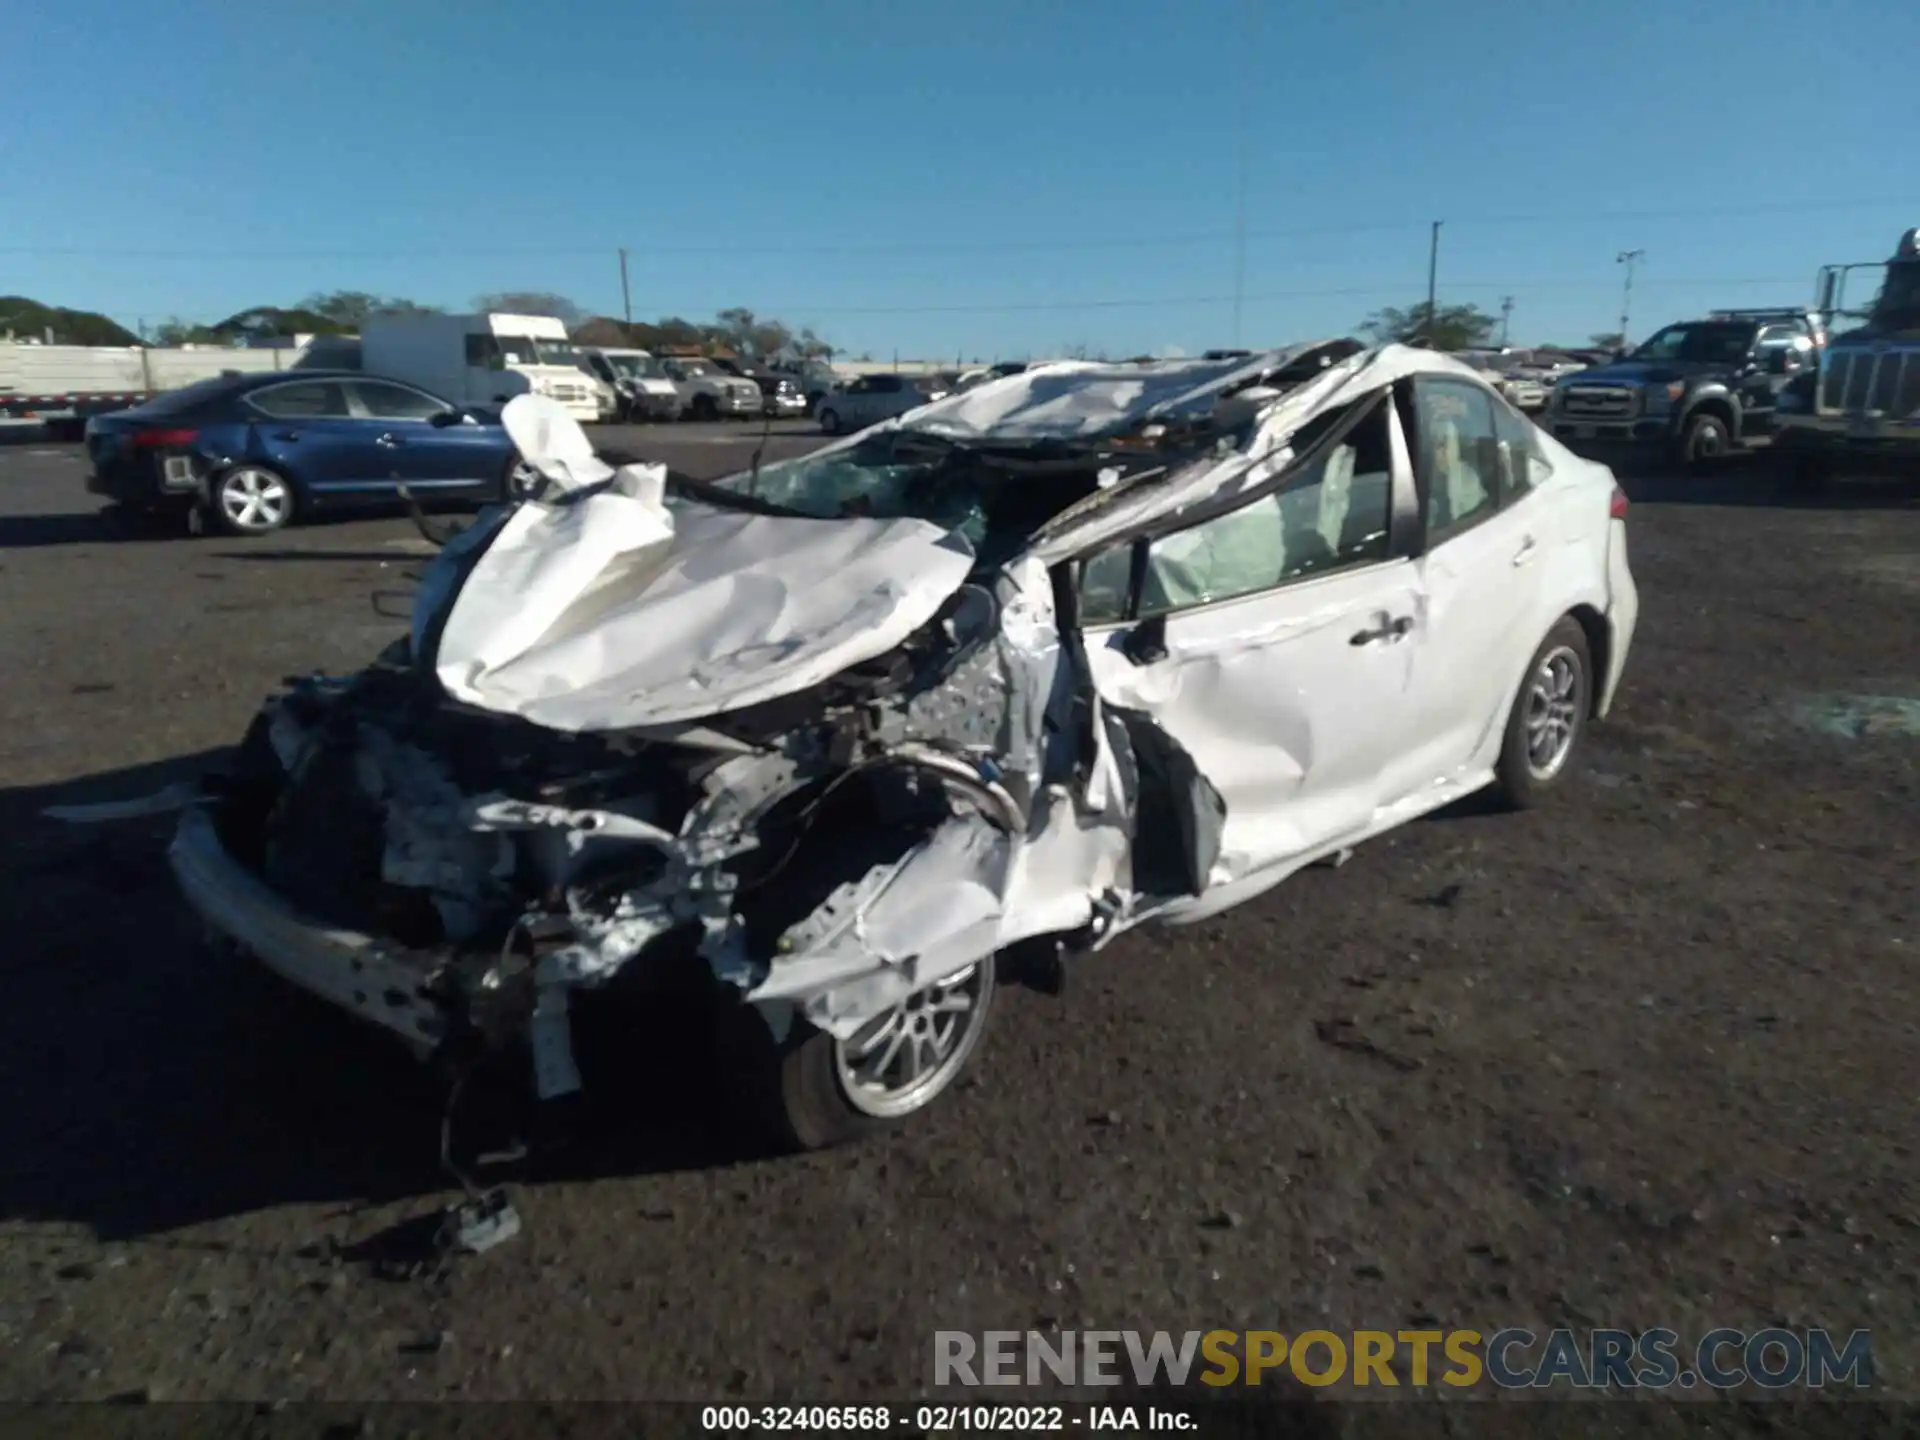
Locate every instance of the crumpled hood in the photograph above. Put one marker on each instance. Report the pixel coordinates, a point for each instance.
(605, 608)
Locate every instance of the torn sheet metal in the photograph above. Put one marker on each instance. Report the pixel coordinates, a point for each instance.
(1074, 399)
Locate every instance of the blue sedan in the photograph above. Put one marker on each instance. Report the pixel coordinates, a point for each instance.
(250, 452)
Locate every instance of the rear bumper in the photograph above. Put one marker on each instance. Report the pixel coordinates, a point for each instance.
(1623, 615)
(171, 477)
(355, 972)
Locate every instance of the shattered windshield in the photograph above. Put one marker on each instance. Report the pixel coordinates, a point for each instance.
(1706, 344)
(996, 497)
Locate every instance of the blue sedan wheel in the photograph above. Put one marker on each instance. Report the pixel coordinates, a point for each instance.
(251, 500)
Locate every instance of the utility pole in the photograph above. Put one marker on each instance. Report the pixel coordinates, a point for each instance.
(1628, 258)
(1506, 315)
(626, 296)
(1240, 212)
(1433, 277)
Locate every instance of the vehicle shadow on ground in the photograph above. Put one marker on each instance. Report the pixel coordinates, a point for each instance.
(152, 1083)
(1755, 488)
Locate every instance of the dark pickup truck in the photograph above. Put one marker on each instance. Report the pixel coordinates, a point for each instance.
(1696, 392)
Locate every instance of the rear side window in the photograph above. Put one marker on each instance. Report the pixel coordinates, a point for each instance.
(386, 401)
(175, 402)
(313, 400)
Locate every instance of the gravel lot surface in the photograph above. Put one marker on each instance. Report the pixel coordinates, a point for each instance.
(1643, 1057)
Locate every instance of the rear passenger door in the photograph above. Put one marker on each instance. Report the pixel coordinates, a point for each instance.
(1477, 468)
(410, 447)
(306, 430)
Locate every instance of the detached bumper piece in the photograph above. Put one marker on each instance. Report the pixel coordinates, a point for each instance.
(353, 971)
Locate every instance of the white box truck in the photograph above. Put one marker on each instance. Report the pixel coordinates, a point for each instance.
(481, 359)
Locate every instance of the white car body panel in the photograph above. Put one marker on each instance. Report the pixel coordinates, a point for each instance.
(1316, 712)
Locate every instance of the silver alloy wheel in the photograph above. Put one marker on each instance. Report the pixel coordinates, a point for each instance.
(1554, 697)
(898, 1063)
(522, 480)
(253, 500)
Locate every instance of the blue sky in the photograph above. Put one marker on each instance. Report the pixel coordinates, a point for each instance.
(988, 178)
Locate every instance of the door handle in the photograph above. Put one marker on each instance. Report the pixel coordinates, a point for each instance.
(387, 442)
(1389, 628)
(286, 435)
(1524, 555)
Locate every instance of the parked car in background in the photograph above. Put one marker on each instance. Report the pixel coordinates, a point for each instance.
(247, 454)
(781, 397)
(813, 378)
(873, 398)
(1697, 391)
(707, 392)
(639, 380)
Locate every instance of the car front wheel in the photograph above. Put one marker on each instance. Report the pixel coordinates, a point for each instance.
(1706, 441)
(251, 500)
(812, 1090)
(1548, 718)
(829, 421)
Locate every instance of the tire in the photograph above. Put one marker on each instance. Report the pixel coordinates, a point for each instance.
(1556, 696)
(1705, 441)
(519, 481)
(804, 1091)
(703, 409)
(250, 500)
(829, 420)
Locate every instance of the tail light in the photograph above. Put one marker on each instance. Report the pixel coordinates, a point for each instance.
(163, 439)
(1617, 507)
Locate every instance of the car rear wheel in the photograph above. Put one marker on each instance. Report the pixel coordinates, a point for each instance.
(1549, 716)
(251, 500)
(829, 420)
(812, 1091)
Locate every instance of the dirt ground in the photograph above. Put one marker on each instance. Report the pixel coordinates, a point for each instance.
(1643, 1057)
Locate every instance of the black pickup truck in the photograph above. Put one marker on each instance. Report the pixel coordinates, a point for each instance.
(1696, 392)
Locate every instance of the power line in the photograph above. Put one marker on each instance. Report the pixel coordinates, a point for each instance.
(1002, 245)
(1386, 290)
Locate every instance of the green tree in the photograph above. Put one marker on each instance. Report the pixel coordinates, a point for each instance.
(31, 320)
(1450, 327)
(530, 302)
(349, 309)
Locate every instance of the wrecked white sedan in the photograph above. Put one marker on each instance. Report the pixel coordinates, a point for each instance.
(1073, 650)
